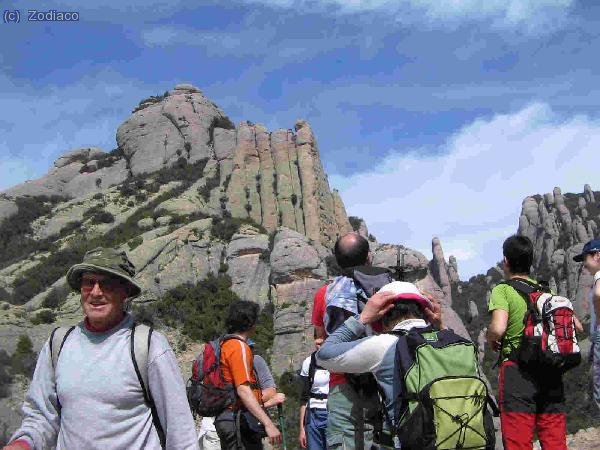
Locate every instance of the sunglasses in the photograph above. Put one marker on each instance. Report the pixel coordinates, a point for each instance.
(106, 284)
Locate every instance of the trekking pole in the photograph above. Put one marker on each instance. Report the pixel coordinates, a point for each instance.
(281, 425)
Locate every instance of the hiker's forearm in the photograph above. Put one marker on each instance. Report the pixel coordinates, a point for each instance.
(268, 394)
(344, 352)
(249, 400)
(277, 399)
(302, 414)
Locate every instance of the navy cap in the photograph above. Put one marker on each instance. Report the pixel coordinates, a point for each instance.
(590, 247)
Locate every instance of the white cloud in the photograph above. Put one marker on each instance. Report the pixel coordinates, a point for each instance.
(470, 197)
(529, 15)
(249, 42)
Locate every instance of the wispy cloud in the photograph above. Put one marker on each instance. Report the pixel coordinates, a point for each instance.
(471, 196)
(529, 15)
(239, 44)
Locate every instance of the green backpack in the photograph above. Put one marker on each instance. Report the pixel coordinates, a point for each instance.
(441, 401)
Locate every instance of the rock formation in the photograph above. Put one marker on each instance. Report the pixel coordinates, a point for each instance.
(188, 194)
(558, 226)
(440, 269)
(75, 173)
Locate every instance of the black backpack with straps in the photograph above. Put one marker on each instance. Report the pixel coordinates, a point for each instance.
(141, 336)
(312, 369)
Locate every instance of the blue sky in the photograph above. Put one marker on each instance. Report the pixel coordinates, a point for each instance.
(433, 117)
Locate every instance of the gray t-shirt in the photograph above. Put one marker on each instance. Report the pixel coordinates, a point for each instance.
(263, 374)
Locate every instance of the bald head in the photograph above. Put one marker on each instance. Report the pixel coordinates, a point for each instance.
(351, 250)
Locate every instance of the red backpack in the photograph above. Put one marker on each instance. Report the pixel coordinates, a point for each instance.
(207, 391)
(549, 341)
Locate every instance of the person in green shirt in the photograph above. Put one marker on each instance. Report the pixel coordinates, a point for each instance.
(528, 401)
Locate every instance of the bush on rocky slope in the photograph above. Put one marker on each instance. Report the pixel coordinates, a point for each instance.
(15, 233)
(224, 228)
(55, 265)
(23, 359)
(198, 309)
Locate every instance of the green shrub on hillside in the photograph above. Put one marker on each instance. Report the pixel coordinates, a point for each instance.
(151, 100)
(355, 222)
(127, 189)
(187, 173)
(56, 297)
(15, 232)
(224, 228)
(4, 295)
(23, 359)
(103, 217)
(108, 159)
(200, 309)
(52, 267)
(135, 242)
(210, 184)
(44, 316)
(289, 384)
(5, 376)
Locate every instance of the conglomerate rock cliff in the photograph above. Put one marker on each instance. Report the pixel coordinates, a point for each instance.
(188, 195)
(559, 225)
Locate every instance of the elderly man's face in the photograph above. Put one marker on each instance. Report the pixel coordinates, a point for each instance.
(102, 299)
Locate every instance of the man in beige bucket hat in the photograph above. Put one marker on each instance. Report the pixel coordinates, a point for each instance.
(116, 384)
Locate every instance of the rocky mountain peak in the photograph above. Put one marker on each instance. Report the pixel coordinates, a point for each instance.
(191, 197)
(558, 225)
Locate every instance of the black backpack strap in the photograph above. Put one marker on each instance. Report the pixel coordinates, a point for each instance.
(141, 336)
(310, 380)
(522, 285)
(57, 340)
(312, 368)
(369, 279)
(404, 360)
(526, 288)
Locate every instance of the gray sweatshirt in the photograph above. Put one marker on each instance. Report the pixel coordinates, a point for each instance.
(101, 400)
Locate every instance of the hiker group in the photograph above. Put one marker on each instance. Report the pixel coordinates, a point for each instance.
(385, 374)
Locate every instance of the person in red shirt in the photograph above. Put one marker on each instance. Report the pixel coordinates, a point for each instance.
(318, 313)
(350, 413)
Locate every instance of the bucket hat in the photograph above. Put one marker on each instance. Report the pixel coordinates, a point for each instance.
(106, 261)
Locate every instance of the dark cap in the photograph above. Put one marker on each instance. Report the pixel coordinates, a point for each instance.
(590, 247)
